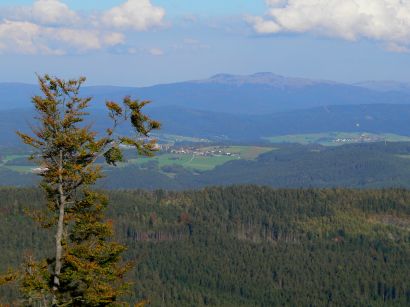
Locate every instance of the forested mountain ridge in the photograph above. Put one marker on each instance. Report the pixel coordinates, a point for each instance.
(246, 245)
(380, 118)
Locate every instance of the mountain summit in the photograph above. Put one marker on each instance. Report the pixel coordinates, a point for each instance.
(261, 78)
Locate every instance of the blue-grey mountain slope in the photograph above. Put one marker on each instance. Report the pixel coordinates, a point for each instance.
(261, 93)
(380, 118)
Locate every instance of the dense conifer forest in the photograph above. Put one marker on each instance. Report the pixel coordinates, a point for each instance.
(244, 245)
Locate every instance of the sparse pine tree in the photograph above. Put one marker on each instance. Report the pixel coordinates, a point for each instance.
(86, 268)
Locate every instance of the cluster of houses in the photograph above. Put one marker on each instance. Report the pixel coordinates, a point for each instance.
(205, 152)
(363, 138)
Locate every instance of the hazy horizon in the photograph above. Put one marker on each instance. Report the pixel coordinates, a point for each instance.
(90, 83)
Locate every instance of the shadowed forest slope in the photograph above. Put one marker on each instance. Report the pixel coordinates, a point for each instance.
(245, 245)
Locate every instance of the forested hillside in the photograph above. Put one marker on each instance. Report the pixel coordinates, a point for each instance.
(188, 121)
(245, 245)
(374, 165)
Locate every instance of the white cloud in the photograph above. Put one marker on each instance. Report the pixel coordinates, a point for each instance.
(29, 38)
(18, 37)
(387, 21)
(84, 40)
(113, 38)
(263, 26)
(138, 15)
(53, 12)
(154, 51)
(51, 27)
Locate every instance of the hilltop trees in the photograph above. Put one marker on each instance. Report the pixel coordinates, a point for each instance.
(86, 268)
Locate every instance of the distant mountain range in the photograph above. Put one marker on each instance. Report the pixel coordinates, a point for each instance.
(261, 93)
(386, 86)
(240, 107)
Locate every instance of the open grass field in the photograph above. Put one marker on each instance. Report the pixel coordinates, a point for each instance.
(20, 168)
(13, 157)
(7, 162)
(192, 160)
(337, 138)
(173, 138)
(202, 163)
(188, 161)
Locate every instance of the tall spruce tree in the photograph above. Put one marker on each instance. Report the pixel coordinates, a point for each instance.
(86, 268)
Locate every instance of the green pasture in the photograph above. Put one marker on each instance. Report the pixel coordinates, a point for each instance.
(15, 168)
(13, 157)
(188, 161)
(203, 163)
(20, 168)
(329, 138)
(173, 138)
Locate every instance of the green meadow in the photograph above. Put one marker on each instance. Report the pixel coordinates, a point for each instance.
(337, 138)
(203, 163)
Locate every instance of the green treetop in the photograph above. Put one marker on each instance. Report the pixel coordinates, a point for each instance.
(86, 269)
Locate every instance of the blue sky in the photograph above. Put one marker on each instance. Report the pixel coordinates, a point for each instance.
(142, 42)
(172, 6)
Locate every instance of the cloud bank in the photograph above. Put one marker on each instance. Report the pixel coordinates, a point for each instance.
(387, 21)
(53, 12)
(51, 27)
(137, 15)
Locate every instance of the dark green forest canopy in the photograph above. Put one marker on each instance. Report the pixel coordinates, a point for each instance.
(245, 245)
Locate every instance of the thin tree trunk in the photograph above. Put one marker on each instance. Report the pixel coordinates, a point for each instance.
(60, 231)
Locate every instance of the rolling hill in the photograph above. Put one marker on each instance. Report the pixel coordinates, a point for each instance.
(380, 118)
